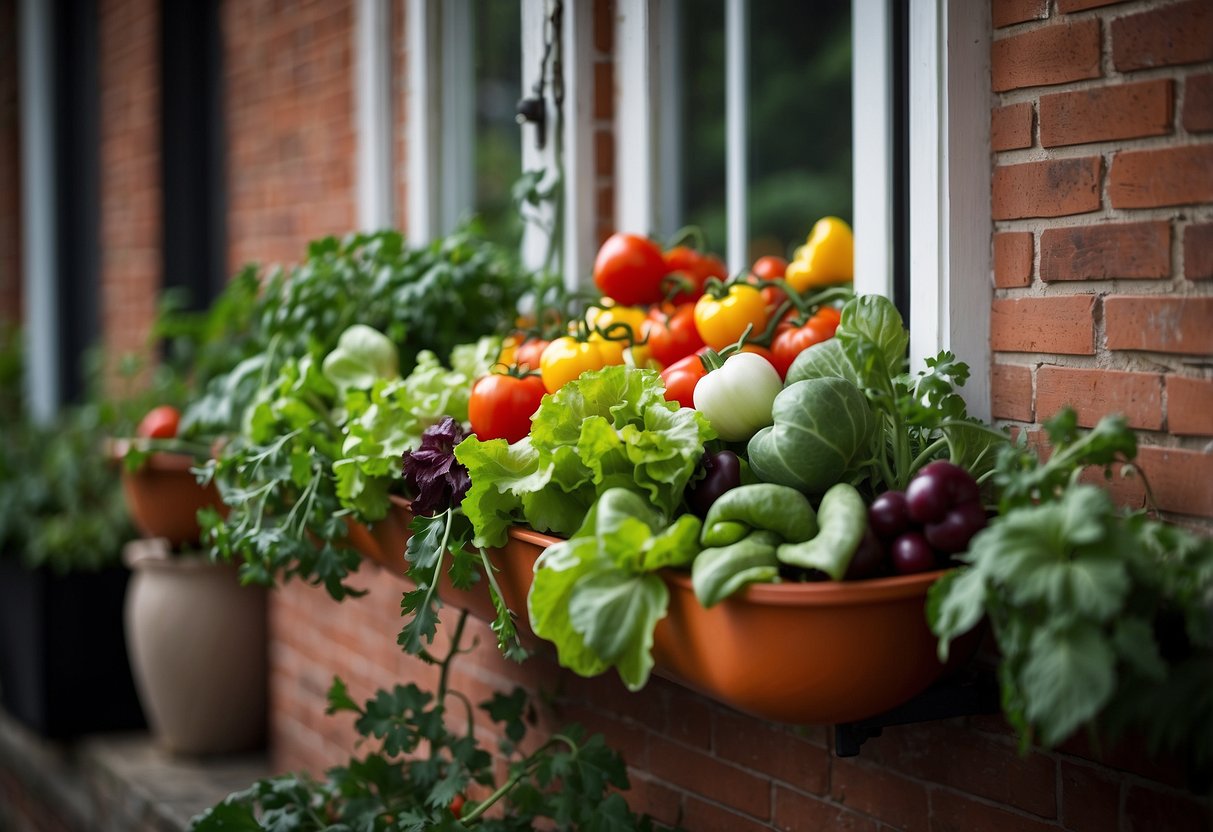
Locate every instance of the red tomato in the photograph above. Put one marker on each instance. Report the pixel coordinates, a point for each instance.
(629, 269)
(769, 267)
(680, 379)
(671, 332)
(456, 806)
(528, 353)
(695, 269)
(501, 406)
(160, 423)
(790, 341)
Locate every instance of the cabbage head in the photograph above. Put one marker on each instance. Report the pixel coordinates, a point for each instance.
(823, 427)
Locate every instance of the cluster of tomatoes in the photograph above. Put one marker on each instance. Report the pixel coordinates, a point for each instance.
(662, 310)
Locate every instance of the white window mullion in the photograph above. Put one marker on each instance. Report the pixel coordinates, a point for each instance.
(374, 114)
(949, 161)
(578, 143)
(670, 127)
(535, 239)
(635, 127)
(736, 99)
(872, 142)
(423, 138)
(38, 188)
(458, 101)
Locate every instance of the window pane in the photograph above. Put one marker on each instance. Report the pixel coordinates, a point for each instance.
(799, 123)
(498, 58)
(800, 119)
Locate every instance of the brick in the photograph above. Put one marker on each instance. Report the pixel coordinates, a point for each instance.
(604, 90)
(954, 756)
(653, 798)
(1094, 393)
(1100, 114)
(1160, 324)
(1011, 126)
(604, 25)
(1090, 798)
(1009, 12)
(1181, 33)
(1050, 188)
(701, 773)
(1189, 405)
(1050, 55)
(1011, 392)
(796, 812)
(1013, 259)
(1198, 252)
(1139, 250)
(1148, 810)
(604, 152)
(770, 750)
(886, 796)
(1157, 178)
(1071, 6)
(957, 813)
(1198, 103)
(700, 814)
(1061, 324)
(1179, 479)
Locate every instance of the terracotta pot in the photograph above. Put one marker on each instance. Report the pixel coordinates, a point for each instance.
(197, 641)
(163, 497)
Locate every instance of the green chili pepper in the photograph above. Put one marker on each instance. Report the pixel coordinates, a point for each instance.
(762, 506)
(719, 572)
(844, 519)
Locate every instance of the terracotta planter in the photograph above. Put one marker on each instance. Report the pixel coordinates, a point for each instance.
(197, 641)
(164, 497)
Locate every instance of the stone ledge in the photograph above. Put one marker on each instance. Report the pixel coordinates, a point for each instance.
(110, 783)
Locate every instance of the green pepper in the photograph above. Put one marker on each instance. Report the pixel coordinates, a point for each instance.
(719, 572)
(844, 519)
(763, 506)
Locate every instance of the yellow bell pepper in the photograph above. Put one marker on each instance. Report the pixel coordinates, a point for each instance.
(826, 258)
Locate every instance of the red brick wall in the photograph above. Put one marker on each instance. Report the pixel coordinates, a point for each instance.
(289, 98)
(1103, 235)
(10, 167)
(131, 226)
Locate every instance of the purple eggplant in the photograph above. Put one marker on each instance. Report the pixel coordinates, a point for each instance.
(722, 472)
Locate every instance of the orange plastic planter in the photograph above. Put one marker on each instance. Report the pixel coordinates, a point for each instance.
(802, 653)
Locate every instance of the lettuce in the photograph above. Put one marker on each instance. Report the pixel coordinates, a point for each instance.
(611, 428)
(596, 596)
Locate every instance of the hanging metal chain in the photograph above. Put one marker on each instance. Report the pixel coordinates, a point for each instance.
(534, 109)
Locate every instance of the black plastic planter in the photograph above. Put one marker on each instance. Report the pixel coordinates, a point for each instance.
(64, 671)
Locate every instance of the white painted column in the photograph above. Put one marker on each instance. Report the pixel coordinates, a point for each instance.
(635, 174)
(578, 143)
(39, 258)
(457, 97)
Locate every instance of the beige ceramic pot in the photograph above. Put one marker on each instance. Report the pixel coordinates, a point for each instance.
(197, 643)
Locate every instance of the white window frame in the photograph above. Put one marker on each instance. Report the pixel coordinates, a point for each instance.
(441, 151)
(373, 113)
(949, 161)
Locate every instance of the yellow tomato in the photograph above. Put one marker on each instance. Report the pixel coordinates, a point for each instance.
(722, 321)
(827, 257)
(603, 317)
(566, 358)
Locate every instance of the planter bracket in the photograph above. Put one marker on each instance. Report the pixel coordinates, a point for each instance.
(970, 693)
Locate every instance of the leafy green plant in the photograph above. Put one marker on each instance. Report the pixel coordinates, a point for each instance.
(1101, 616)
(919, 417)
(315, 409)
(420, 774)
(60, 501)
